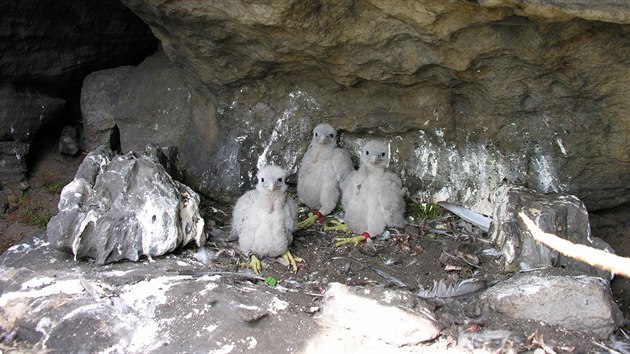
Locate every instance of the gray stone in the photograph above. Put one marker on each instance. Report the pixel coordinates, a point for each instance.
(154, 104)
(55, 44)
(561, 215)
(22, 113)
(471, 95)
(615, 11)
(377, 314)
(123, 207)
(50, 302)
(99, 96)
(13, 162)
(69, 141)
(575, 302)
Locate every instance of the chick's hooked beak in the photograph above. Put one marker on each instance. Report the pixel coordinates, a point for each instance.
(271, 184)
(323, 139)
(375, 159)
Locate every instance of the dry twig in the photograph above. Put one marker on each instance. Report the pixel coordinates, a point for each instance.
(589, 255)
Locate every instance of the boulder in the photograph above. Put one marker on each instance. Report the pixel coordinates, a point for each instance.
(123, 207)
(69, 141)
(99, 96)
(50, 302)
(561, 298)
(23, 111)
(153, 103)
(55, 44)
(375, 314)
(562, 215)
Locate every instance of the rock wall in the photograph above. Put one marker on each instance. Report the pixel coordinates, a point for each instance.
(471, 95)
(55, 44)
(47, 49)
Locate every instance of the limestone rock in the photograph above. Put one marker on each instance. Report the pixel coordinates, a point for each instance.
(22, 113)
(472, 95)
(69, 141)
(154, 104)
(99, 96)
(609, 11)
(564, 216)
(123, 207)
(48, 302)
(377, 314)
(55, 44)
(576, 302)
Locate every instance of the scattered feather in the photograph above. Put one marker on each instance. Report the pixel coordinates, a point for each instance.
(622, 346)
(204, 256)
(392, 279)
(492, 252)
(472, 217)
(442, 289)
(483, 339)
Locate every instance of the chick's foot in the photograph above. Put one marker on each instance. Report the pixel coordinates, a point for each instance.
(292, 260)
(337, 226)
(255, 264)
(342, 241)
(310, 220)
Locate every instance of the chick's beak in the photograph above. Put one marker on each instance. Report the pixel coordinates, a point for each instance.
(272, 185)
(323, 140)
(374, 159)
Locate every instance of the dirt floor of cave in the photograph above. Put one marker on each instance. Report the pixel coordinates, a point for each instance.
(411, 258)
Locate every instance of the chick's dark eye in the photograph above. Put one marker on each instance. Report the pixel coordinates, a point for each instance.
(382, 154)
(280, 180)
(262, 180)
(367, 152)
(316, 134)
(331, 135)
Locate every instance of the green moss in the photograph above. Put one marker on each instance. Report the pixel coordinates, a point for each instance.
(35, 219)
(53, 188)
(425, 211)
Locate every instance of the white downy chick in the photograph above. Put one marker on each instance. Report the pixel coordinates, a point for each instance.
(264, 219)
(322, 169)
(373, 198)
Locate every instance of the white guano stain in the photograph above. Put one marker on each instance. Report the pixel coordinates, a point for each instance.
(67, 287)
(546, 174)
(471, 174)
(561, 146)
(281, 128)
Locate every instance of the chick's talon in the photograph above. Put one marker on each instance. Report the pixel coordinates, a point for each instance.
(255, 264)
(292, 260)
(310, 220)
(337, 226)
(342, 241)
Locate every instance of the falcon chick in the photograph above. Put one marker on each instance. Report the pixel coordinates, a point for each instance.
(322, 169)
(371, 196)
(264, 219)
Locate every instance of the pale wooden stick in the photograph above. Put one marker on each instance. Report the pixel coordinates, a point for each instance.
(589, 255)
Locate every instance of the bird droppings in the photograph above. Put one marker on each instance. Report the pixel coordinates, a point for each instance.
(475, 171)
(67, 287)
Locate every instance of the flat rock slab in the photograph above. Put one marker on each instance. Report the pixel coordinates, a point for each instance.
(174, 303)
(49, 301)
(577, 302)
(377, 315)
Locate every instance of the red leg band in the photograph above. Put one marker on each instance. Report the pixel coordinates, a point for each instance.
(320, 217)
